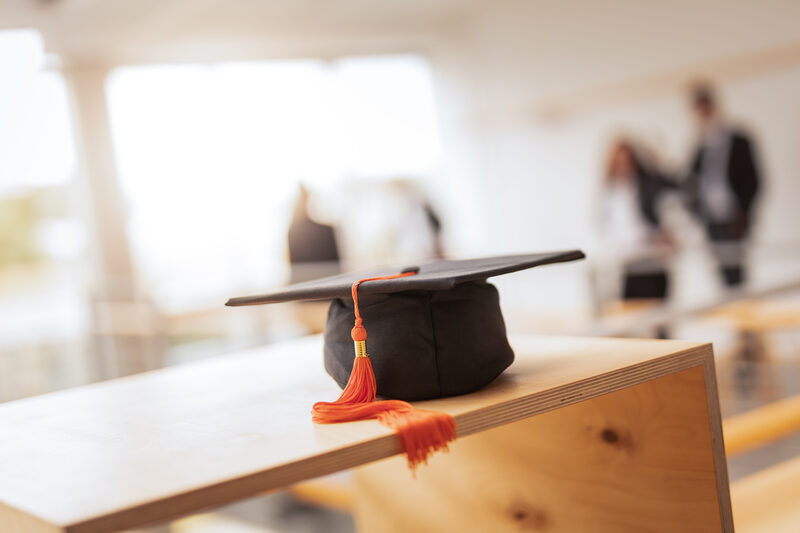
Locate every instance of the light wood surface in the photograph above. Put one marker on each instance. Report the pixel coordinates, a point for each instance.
(769, 500)
(759, 316)
(147, 448)
(761, 426)
(638, 459)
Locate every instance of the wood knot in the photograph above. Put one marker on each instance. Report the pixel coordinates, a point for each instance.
(610, 436)
(618, 438)
(529, 518)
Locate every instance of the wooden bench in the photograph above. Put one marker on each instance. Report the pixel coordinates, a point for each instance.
(761, 426)
(737, 302)
(769, 500)
(579, 434)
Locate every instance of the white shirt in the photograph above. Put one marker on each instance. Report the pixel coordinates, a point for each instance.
(624, 224)
(715, 190)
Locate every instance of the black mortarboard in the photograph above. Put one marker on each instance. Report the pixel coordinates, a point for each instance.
(437, 333)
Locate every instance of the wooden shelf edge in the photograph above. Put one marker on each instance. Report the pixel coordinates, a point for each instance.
(386, 445)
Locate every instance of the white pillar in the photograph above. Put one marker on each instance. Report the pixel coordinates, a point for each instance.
(113, 278)
(123, 323)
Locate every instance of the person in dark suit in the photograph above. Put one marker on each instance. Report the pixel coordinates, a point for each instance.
(723, 184)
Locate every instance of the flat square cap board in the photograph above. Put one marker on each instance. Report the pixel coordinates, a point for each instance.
(143, 449)
(439, 332)
(433, 276)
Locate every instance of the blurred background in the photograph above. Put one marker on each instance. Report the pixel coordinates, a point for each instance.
(158, 157)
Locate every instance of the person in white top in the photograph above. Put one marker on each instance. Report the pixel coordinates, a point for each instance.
(630, 221)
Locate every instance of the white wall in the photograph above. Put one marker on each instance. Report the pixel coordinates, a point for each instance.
(524, 58)
(543, 86)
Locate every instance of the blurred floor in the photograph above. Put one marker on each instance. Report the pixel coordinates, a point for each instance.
(273, 513)
(746, 385)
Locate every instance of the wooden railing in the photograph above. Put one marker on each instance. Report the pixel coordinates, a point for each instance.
(769, 500)
(761, 426)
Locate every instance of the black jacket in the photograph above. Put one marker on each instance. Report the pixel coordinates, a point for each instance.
(744, 177)
(651, 185)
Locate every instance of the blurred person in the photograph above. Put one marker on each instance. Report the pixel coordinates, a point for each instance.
(313, 251)
(422, 219)
(435, 223)
(417, 227)
(723, 184)
(631, 224)
(395, 222)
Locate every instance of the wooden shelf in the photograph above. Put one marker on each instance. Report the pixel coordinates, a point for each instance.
(151, 447)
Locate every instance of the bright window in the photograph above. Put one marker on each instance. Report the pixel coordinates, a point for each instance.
(43, 313)
(210, 158)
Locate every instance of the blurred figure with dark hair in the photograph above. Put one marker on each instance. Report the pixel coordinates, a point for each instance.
(313, 252)
(631, 222)
(723, 184)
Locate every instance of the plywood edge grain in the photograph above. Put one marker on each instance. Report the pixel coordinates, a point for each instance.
(383, 446)
(238, 488)
(718, 443)
(581, 390)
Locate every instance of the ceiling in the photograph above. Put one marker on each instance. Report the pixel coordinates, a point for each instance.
(134, 30)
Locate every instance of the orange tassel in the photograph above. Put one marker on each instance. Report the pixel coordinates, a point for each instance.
(360, 388)
(420, 432)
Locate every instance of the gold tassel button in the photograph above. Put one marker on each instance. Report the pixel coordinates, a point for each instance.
(361, 348)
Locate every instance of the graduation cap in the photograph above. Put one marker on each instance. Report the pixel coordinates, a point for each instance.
(436, 330)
